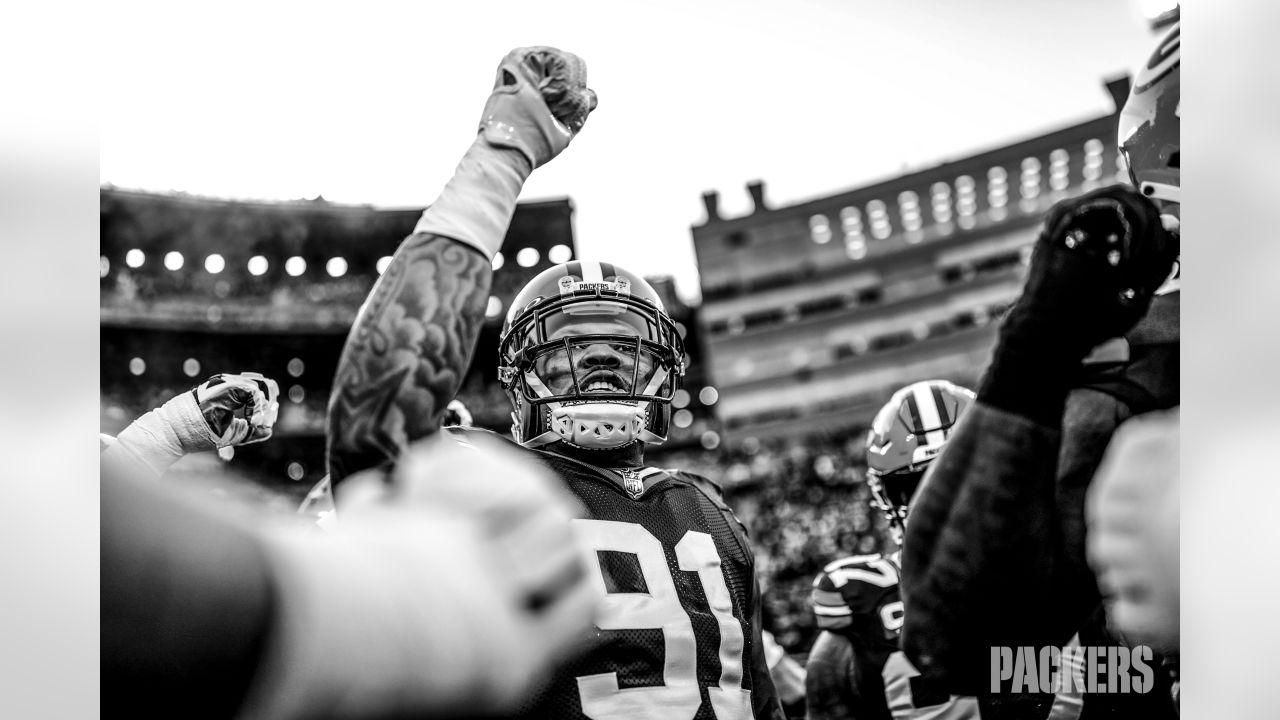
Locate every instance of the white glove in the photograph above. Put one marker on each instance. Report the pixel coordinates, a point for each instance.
(539, 103)
(225, 411)
(454, 589)
(1133, 507)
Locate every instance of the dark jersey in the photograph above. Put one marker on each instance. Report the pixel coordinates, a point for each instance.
(857, 666)
(678, 632)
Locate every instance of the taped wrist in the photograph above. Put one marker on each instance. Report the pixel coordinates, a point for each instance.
(161, 437)
(370, 627)
(476, 205)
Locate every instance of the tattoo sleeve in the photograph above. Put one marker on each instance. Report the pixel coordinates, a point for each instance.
(407, 353)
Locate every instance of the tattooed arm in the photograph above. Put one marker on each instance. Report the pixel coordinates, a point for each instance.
(408, 352)
(411, 344)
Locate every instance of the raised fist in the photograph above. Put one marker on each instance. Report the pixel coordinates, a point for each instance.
(1095, 267)
(239, 409)
(540, 102)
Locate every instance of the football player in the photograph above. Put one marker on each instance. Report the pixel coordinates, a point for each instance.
(996, 552)
(856, 668)
(590, 361)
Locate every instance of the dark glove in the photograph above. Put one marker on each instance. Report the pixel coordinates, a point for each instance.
(1095, 267)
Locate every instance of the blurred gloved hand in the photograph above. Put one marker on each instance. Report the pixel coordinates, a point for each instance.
(1133, 508)
(453, 588)
(540, 102)
(1094, 269)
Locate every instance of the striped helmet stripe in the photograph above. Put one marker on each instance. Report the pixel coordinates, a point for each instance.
(591, 271)
(928, 416)
(914, 410)
(944, 415)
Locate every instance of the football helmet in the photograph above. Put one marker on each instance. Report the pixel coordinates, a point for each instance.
(1148, 133)
(905, 436)
(589, 356)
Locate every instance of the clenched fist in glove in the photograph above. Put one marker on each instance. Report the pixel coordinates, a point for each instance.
(1094, 269)
(225, 411)
(539, 103)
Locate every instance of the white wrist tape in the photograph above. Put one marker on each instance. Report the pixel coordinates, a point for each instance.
(476, 205)
(161, 437)
(372, 624)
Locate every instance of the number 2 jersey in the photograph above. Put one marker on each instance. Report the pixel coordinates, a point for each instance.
(856, 668)
(678, 633)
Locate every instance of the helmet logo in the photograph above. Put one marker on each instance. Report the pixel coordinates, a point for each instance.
(620, 285)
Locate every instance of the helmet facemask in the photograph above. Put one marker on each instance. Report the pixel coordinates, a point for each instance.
(596, 371)
(891, 494)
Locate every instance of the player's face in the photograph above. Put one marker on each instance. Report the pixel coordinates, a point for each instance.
(599, 366)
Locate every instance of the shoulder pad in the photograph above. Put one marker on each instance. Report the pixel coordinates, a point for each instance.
(850, 586)
(707, 485)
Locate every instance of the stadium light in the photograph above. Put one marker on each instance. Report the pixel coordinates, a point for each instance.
(296, 367)
(498, 261)
(258, 265)
(336, 267)
(134, 258)
(137, 366)
(708, 396)
(295, 266)
(104, 266)
(559, 254)
(385, 260)
(191, 367)
(214, 264)
(173, 260)
(527, 257)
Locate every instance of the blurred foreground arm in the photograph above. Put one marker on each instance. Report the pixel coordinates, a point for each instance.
(980, 554)
(411, 344)
(424, 599)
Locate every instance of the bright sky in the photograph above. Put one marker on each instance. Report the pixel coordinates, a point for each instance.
(375, 103)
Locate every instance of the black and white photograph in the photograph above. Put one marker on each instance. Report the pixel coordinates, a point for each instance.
(703, 360)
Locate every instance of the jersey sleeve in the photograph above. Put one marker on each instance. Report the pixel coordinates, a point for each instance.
(830, 609)
(830, 688)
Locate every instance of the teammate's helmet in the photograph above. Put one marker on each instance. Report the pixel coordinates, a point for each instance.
(905, 436)
(596, 407)
(1148, 133)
